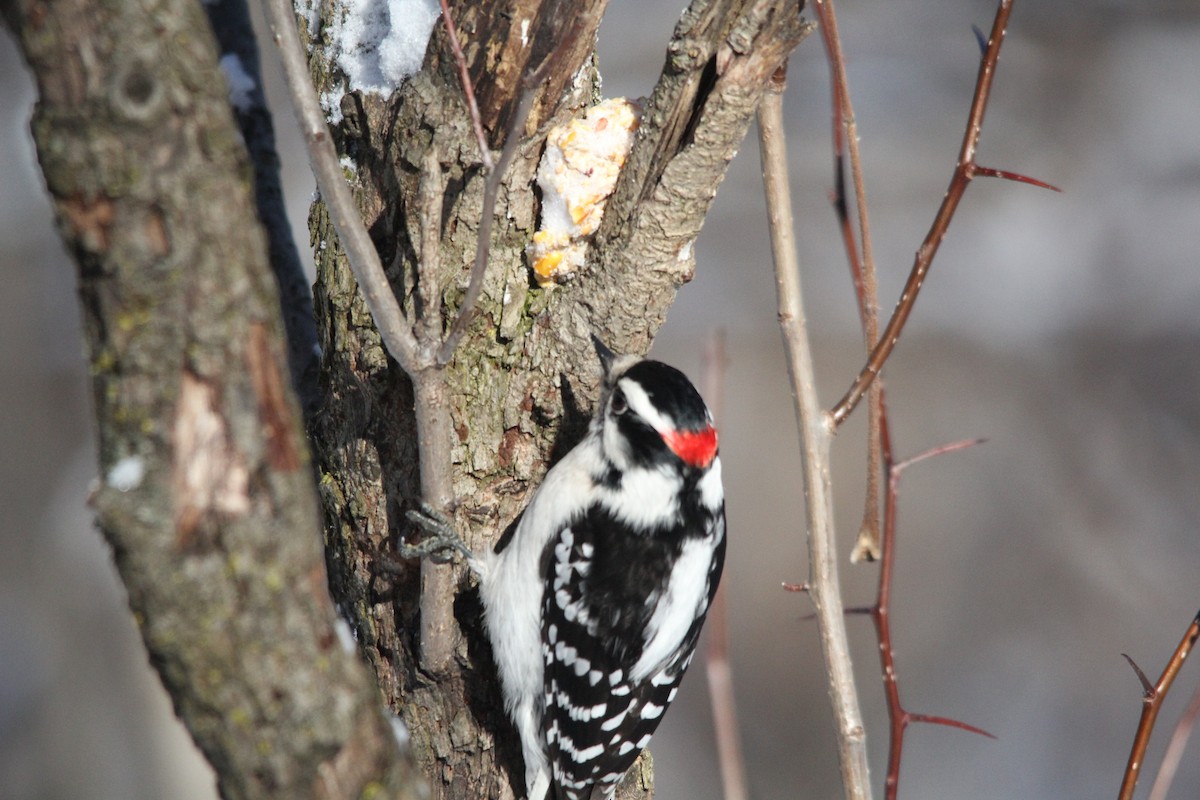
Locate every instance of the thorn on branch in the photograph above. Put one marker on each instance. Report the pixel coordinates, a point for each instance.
(1152, 701)
(1148, 690)
(964, 171)
(989, 172)
(947, 722)
(981, 38)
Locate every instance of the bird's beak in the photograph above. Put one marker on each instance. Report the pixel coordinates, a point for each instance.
(607, 356)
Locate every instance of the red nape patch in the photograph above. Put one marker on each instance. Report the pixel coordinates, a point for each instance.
(696, 448)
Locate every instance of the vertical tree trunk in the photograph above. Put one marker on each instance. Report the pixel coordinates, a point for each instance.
(206, 492)
(525, 377)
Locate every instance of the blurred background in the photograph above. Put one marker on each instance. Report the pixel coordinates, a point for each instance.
(1064, 328)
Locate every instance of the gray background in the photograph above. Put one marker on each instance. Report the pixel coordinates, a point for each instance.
(1062, 327)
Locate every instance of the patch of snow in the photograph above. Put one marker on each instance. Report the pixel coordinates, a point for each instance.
(241, 85)
(399, 729)
(379, 44)
(127, 474)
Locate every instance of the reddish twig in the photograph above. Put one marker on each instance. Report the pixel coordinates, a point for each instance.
(1153, 696)
(862, 272)
(720, 676)
(899, 718)
(1175, 748)
(464, 77)
(964, 171)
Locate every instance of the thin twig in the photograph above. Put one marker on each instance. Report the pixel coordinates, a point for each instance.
(1175, 748)
(720, 676)
(964, 171)
(1152, 700)
(865, 280)
(816, 432)
(464, 77)
(432, 408)
(360, 251)
(900, 718)
(491, 188)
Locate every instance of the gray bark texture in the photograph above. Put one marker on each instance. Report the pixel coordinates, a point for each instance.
(206, 492)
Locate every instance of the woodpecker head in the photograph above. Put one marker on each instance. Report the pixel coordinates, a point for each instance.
(650, 414)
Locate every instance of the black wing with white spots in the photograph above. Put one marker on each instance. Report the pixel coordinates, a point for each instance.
(610, 596)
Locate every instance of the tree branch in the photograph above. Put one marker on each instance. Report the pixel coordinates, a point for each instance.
(964, 171)
(343, 212)
(899, 718)
(716, 661)
(1153, 696)
(719, 63)
(816, 432)
(879, 456)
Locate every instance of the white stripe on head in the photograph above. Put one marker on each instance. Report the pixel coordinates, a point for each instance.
(640, 404)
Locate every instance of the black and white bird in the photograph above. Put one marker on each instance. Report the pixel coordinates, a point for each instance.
(594, 606)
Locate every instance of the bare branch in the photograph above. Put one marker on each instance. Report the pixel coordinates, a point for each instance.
(899, 718)
(965, 170)
(1175, 748)
(430, 193)
(1152, 701)
(720, 676)
(217, 538)
(816, 432)
(865, 283)
(352, 234)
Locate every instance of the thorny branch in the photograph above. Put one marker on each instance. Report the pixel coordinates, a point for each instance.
(1153, 696)
(816, 432)
(866, 286)
(964, 171)
(899, 718)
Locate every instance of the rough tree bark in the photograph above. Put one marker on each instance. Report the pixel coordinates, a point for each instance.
(206, 491)
(526, 375)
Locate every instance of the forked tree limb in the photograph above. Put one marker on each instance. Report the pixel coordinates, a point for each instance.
(964, 171)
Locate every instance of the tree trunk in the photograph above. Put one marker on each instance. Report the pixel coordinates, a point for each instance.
(206, 492)
(524, 379)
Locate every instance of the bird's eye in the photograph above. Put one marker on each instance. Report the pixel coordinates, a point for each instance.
(618, 404)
